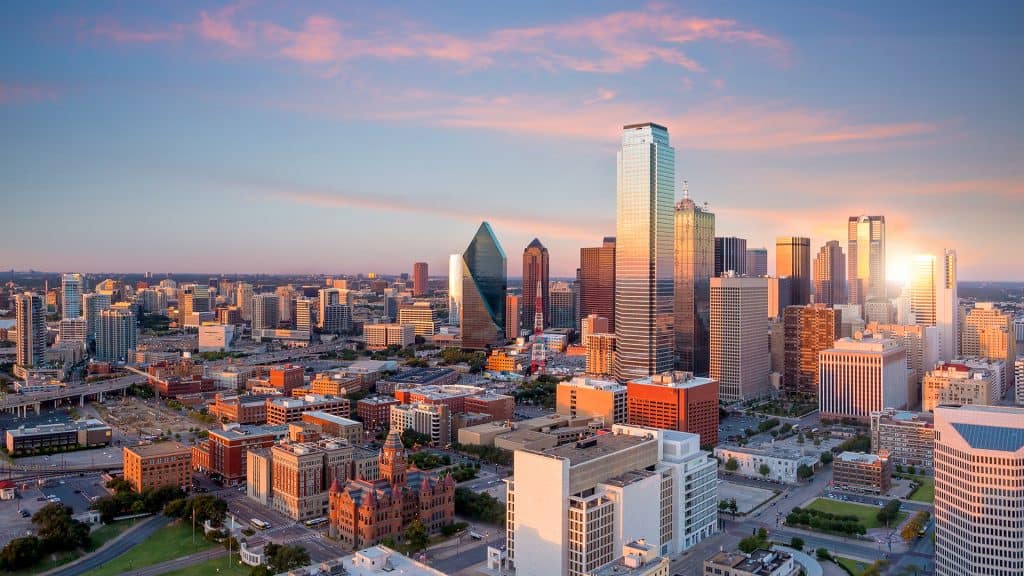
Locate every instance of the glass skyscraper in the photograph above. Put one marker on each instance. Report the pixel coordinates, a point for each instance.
(695, 264)
(644, 252)
(793, 259)
(865, 253)
(535, 271)
(454, 289)
(484, 286)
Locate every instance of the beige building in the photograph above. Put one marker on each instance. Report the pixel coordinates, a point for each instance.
(433, 420)
(592, 398)
(600, 348)
(483, 434)
(979, 490)
(739, 337)
(921, 344)
(757, 563)
(593, 324)
(988, 333)
(157, 465)
(959, 384)
(782, 463)
(867, 473)
(638, 559)
(336, 426)
(908, 437)
(421, 315)
(859, 376)
(294, 477)
(380, 336)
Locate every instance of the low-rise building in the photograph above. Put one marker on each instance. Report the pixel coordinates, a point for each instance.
(957, 383)
(380, 336)
(497, 406)
(282, 410)
(432, 420)
(483, 434)
(526, 440)
(336, 426)
(216, 337)
(675, 401)
(375, 412)
(781, 463)
(506, 361)
(417, 377)
(240, 409)
(383, 561)
(638, 559)
(335, 384)
(224, 452)
(451, 395)
(868, 473)
(156, 465)
(757, 563)
(592, 398)
(908, 438)
(57, 437)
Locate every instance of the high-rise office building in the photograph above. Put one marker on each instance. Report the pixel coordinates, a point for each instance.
(71, 295)
(675, 401)
(265, 310)
(865, 253)
(757, 262)
(597, 281)
(513, 316)
(808, 330)
(420, 279)
(780, 295)
(934, 301)
(644, 252)
(243, 299)
(562, 307)
(286, 296)
(859, 376)
(304, 314)
(93, 304)
(922, 346)
(592, 324)
(979, 456)
(830, 275)
(30, 319)
(988, 333)
(484, 287)
(535, 273)
(115, 337)
(793, 259)
(739, 337)
(454, 289)
(730, 254)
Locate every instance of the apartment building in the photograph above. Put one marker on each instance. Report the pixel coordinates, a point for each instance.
(375, 412)
(908, 438)
(432, 420)
(281, 411)
(380, 336)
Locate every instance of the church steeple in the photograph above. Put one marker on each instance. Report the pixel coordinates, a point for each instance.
(393, 460)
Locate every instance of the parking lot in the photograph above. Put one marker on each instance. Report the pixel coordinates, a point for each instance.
(73, 491)
(735, 425)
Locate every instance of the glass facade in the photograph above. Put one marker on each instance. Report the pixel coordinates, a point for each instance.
(865, 251)
(793, 259)
(454, 288)
(484, 286)
(597, 281)
(694, 253)
(535, 271)
(644, 252)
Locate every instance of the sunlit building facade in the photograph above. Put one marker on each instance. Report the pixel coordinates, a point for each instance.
(694, 267)
(859, 376)
(934, 300)
(454, 289)
(757, 262)
(988, 333)
(830, 275)
(793, 259)
(807, 331)
(535, 273)
(865, 253)
(597, 281)
(740, 360)
(30, 319)
(484, 287)
(71, 295)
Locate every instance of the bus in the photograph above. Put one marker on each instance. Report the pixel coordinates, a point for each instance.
(259, 524)
(315, 522)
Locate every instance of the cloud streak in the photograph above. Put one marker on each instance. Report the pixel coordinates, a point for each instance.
(18, 93)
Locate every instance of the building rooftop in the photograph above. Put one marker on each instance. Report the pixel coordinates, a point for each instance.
(57, 428)
(594, 384)
(858, 457)
(307, 400)
(674, 379)
(630, 477)
(237, 432)
(364, 366)
(488, 427)
(420, 375)
(757, 562)
(383, 560)
(379, 400)
(159, 449)
(595, 447)
(332, 418)
(441, 392)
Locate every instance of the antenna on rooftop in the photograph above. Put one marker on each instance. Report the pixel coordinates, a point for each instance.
(686, 189)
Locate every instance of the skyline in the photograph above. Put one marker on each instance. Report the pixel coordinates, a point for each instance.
(256, 134)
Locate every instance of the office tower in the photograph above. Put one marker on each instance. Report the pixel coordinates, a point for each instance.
(933, 299)
(265, 310)
(286, 296)
(327, 297)
(115, 338)
(193, 300)
(597, 281)
(757, 262)
(979, 455)
(391, 302)
(562, 306)
(535, 270)
(454, 289)
(908, 437)
(243, 298)
(93, 304)
(1018, 371)
(592, 324)
(951, 383)
(780, 295)
(513, 316)
(484, 287)
(830, 275)
(644, 252)
(337, 319)
(73, 330)
(421, 315)
(793, 259)
(922, 346)
(420, 279)
(675, 401)
(730, 254)
(865, 253)
(584, 397)
(71, 295)
(30, 319)
(859, 376)
(808, 330)
(572, 508)
(739, 337)
(600, 349)
(695, 256)
(879, 310)
(988, 333)
(304, 314)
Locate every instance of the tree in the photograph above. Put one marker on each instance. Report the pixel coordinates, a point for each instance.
(56, 529)
(733, 508)
(826, 457)
(119, 485)
(800, 438)
(889, 512)
(416, 536)
(764, 470)
(912, 470)
(732, 465)
(822, 554)
(412, 438)
(282, 558)
(20, 553)
(804, 472)
(796, 543)
(899, 469)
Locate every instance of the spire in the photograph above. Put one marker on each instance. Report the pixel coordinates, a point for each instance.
(686, 189)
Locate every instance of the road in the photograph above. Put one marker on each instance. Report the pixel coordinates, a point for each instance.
(183, 562)
(13, 401)
(115, 548)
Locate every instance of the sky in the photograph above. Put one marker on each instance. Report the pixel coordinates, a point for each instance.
(259, 136)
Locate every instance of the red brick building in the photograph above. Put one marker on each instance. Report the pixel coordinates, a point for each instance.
(375, 412)
(285, 378)
(247, 409)
(224, 452)
(362, 513)
(498, 406)
(451, 395)
(282, 411)
(675, 401)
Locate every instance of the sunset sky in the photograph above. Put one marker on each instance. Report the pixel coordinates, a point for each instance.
(352, 137)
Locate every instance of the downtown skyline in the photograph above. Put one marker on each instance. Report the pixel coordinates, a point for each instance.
(284, 118)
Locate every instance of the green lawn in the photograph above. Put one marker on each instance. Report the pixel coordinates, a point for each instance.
(49, 562)
(856, 567)
(925, 492)
(216, 566)
(172, 541)
(108, 532)
(866, 514)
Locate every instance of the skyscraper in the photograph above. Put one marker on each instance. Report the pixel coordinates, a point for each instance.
(561, 313)
(793, 259)
(730, 254)
(694, 267)
(757, 262)
(454, 289)
(420, 279)
(304, 314)
(644, 252)
(739, 337)
(865, 253)
(513, 316)
(243, 298)
(484, 286)
(265, 311)
(71, 295)
(808, 330)
(30, 319)
(115, 336)
(535, 270)
(934, 301)
(597, 281)
(93, 304)
(988, 333)
(979, 455)
(830, 275)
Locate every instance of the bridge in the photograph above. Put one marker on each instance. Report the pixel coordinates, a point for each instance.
(28, 472)
(20, 404)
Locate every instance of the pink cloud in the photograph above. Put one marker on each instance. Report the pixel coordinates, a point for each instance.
(220, 27)
(116, 32)
(13, 93)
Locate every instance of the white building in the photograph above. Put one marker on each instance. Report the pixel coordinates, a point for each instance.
(383, 561)
(71, 295)
(216, 337)
(934, 301)
(979, 490)
(782, 463)
(454, 289)
(304, 314)
(433, 420)
(30, 321)
(859, 376)
(380, 336)
(243, 299)
(573, 508)
(740, 360)
(421, 315)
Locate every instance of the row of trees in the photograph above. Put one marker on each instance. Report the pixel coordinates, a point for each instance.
(756, 541)
(56, 531)
(125, 501)
(204, 506)
(889, 512)
(489, 454)
(482, 506)
(825, 521)
(913, 528)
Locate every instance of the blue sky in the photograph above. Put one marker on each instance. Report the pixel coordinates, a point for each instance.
(324, 137)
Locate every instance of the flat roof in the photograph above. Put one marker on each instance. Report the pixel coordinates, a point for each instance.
(677, 379)
(159, 449)
(91, 424)
(332, 418)
(643, 125)
(378, 400)
(595, 447)
(250, 431)
(420, 375)
(858, 457)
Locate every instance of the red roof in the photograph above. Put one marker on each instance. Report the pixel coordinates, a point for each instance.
(4, 484)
